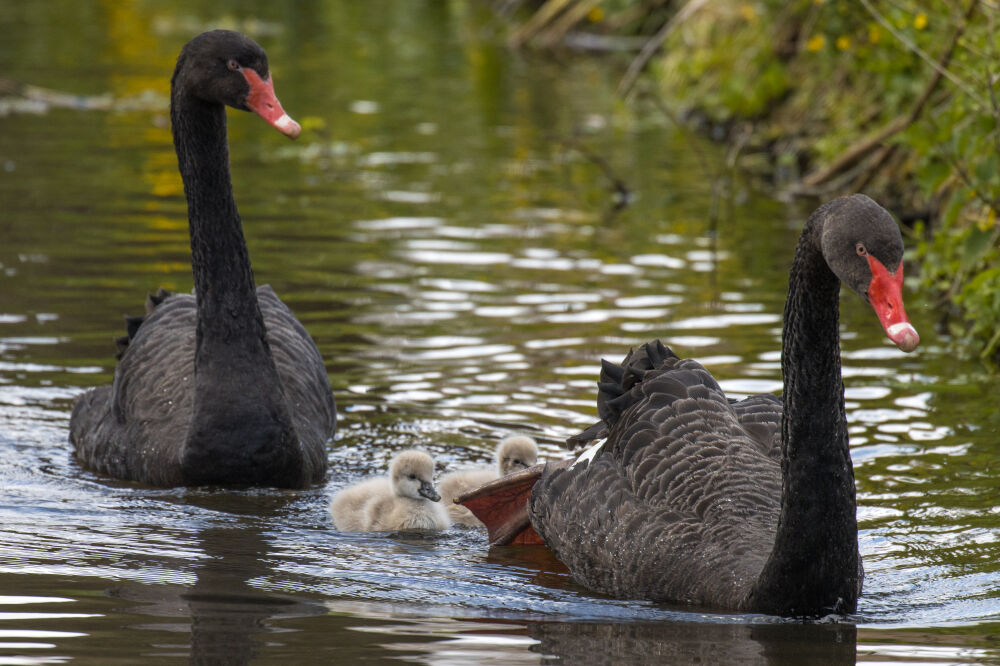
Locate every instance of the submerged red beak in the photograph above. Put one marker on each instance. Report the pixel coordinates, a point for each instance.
(265, 104)
(885, 293)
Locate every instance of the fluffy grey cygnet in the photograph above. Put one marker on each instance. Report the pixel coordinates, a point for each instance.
(404, 500)
(515, 453)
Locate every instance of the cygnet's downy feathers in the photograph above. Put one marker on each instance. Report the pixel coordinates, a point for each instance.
(405, 500)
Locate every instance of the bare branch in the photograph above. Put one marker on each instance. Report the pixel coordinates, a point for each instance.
(623, 195)
(654, 44)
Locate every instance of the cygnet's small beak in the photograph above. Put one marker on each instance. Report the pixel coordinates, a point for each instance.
(427, 490)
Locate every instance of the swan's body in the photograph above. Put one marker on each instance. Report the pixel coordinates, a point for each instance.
(747, 505)
(405, 500)
(514, 453)
(226, 386)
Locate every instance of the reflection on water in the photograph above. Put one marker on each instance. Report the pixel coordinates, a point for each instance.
(705, 643)
(462, 276)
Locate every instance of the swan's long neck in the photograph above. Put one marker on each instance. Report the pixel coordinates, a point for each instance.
(813, 568)
(223, 281)
(240, 429)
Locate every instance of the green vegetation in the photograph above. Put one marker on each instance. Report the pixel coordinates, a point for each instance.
(897, 99)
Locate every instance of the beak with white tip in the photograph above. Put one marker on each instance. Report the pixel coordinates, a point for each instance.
(262, 101)
(885, 293)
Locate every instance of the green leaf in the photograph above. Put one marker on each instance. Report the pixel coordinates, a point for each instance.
(933, 175)
(976, 244)
(955, 206)
(986, 169)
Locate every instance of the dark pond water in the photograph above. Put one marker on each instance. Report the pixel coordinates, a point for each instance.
(455, 254)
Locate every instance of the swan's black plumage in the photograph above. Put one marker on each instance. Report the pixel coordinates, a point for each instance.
(746, 505)
(225, 386)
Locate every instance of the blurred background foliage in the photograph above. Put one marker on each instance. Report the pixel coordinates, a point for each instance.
(894, 98)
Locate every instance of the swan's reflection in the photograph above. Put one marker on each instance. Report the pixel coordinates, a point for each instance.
(229, 618)
(679, 643)
(231, 621)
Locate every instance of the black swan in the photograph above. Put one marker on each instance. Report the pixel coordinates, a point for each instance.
(697, 499)
(224, 386)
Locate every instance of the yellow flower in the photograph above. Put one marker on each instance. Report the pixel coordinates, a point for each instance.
(747, 12)
(595, 15)
(920, 21)
(843, 42)
(874, 34)
(313, 123)
(816, 42)
(987, 223)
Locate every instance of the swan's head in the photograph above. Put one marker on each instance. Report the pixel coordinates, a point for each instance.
(862, 245)
(412, 475)
(515, 453)
(225, 67)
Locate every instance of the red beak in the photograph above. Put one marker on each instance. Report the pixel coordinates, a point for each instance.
(265, 104)
(885, 293)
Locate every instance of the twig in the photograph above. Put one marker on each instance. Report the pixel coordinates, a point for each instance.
(716, 180)
(990, 346)
(545, 14)
(963, 175)
(868, 174)
(563, 24)
(696, 149)
(654, 44)
(622, 193)
(55, 98)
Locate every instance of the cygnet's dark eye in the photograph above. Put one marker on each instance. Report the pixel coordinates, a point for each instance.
(413, 476)
(233, 65)
(860, 248)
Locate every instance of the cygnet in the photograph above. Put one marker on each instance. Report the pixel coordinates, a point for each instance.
(405, 500)
(515, 453)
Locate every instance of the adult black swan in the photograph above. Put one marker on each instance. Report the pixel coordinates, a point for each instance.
(696, 499)
(224, 386)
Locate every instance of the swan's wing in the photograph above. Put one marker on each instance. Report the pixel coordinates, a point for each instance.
(502, 506)
(617, 389)
(680, 503)
(760, 416)
(303, 378)
(88, 428)
(114, 428)
(462, 481)
(116, 431)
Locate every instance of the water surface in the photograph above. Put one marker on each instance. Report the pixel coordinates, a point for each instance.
(458, 258)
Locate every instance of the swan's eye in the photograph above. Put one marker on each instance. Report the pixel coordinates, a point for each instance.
(860, 248)
(233, 65)
(413, 476)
